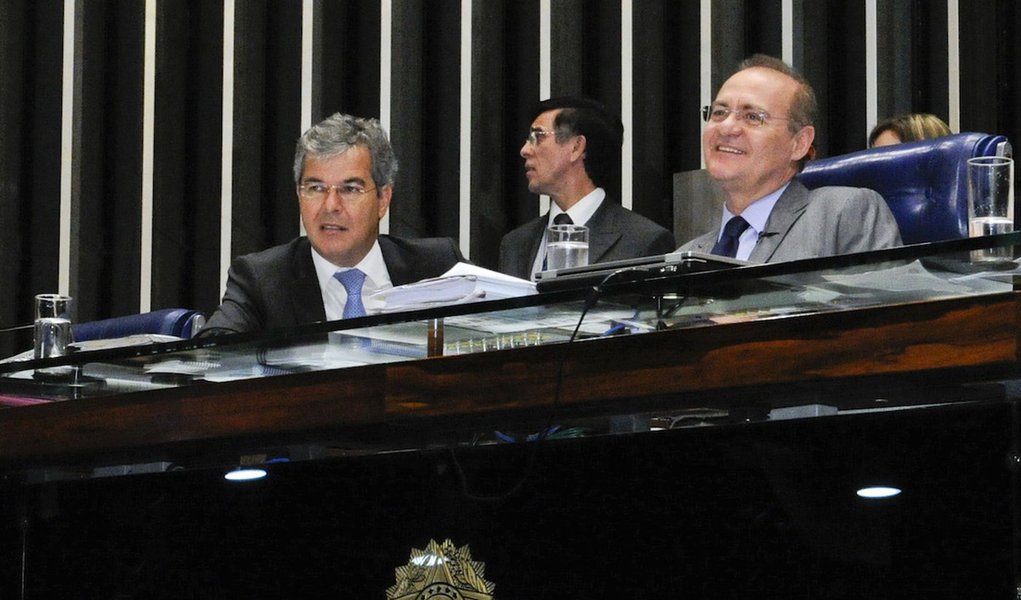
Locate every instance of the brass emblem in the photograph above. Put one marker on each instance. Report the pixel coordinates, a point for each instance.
(441, 572)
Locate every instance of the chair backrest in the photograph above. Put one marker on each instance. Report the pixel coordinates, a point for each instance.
(925, 183)
(178, 322)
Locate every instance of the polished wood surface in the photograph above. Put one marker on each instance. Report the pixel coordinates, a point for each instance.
(951, 341)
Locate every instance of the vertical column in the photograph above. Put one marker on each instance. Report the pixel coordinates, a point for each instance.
(627, 102)
(309, 71)
(787, 31)
(385, 79)
(148, 155)
(545, 69)
(953, 65)
(705, 74)
(871, 65)
(308, 62)
(227, 143)
(70, 144)
(464, 183)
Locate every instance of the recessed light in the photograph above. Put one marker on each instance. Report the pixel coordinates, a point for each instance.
(878, 491)
(248, 474)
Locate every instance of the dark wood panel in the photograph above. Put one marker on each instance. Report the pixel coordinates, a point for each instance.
(952, 342)
(839, 347)
(286, 408)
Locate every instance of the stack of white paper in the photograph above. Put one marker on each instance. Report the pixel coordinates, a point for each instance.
(463, 283)
(495, 285)
(438, 291)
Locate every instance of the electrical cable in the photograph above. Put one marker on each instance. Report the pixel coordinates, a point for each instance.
(549, 429)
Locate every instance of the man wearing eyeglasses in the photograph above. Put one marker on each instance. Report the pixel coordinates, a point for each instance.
(570, 150)
(344, 170)
(758, 134)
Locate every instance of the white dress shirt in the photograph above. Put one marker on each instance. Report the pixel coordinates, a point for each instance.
(756, 214)
(580, 213)
(335, 296)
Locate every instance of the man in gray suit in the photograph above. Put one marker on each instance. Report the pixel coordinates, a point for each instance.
(344, 170)
(758, 133)
(571, 147)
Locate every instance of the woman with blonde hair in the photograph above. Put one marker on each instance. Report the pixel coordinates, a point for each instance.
(907, 128)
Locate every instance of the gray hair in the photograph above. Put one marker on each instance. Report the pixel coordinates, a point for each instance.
(338, 133)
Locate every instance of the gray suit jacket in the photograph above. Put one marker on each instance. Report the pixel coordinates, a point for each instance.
(615, 233)
(822, 222)
(278, 287)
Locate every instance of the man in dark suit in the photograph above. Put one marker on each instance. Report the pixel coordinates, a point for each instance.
(571, 147)
(758, 134)
(344, 170)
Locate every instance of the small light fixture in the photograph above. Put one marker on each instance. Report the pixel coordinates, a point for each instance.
(245, 474)
(878, 492)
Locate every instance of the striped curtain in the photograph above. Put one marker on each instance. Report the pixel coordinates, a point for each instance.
(144, 143)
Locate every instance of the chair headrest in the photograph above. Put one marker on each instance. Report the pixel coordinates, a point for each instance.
(925, 183)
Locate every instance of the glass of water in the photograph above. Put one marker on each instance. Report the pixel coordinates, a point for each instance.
(990, 203)
(52, 325)
(566, 246)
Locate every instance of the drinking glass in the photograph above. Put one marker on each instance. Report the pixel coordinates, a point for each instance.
(566, 246)
(52, 325)
(990, 203)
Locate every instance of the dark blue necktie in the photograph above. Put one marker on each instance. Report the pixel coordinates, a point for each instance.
(727, 246)
(352, 281)
(561, 219)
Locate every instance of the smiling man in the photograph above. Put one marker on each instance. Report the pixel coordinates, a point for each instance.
(344, 170)
(571, 147)
(758, 134)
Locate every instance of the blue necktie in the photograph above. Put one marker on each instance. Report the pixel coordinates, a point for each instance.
(352, 281)
(561, 219)
(727, 246)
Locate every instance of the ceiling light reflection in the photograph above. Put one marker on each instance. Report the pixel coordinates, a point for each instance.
(246, 474)
(878, 491)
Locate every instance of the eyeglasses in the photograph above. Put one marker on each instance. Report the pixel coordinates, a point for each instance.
(536, 134)
(317, 191)
(748, 116)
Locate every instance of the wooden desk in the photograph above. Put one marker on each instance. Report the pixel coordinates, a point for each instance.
(904, 354)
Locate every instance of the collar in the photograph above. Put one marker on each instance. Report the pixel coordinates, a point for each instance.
(757, 213)
(373, 265)
(583, 209)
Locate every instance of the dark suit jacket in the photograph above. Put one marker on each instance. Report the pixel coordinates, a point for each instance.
(615, 233)
(278, 287)
(826, 221)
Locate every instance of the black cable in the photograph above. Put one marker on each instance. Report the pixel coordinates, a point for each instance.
(590, 302)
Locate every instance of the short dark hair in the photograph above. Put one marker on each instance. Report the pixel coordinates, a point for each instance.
(804, 107)
(603, 131)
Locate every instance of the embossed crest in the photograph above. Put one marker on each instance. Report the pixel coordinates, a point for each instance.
(441, 572)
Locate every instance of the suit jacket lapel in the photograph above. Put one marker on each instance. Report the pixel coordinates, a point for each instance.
(604, 230)
(536, 235)
(704, 243)
(788, 209)
(306, 297)
(401, 272)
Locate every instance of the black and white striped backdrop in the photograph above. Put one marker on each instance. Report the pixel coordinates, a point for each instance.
(143, 143)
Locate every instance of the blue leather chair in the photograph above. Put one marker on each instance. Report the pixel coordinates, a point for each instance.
(179, 322)
(925, 183)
